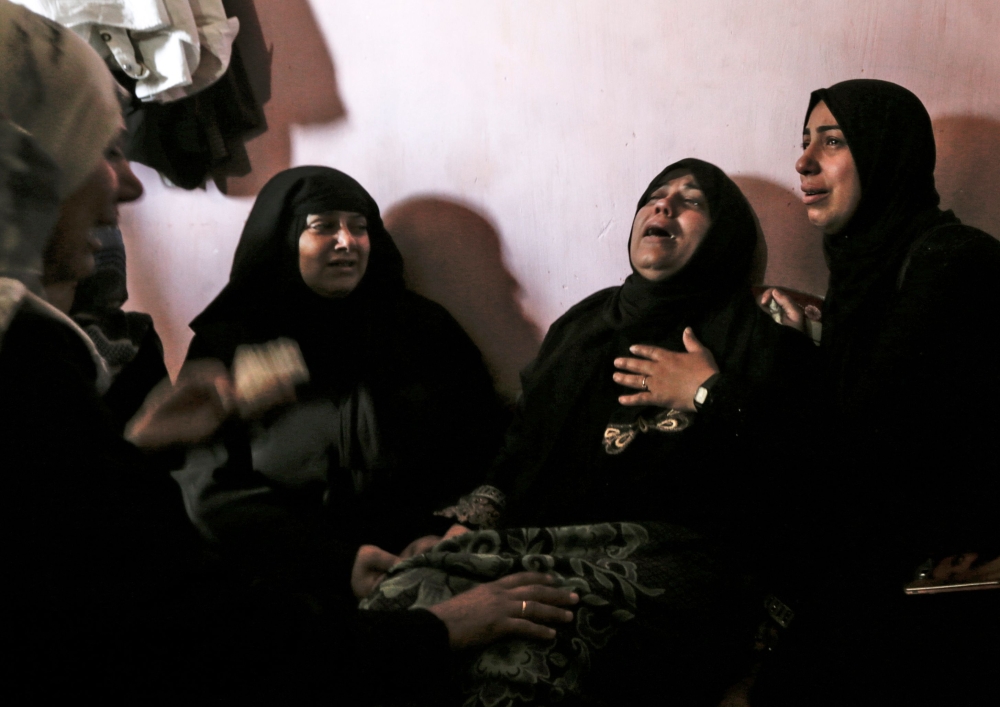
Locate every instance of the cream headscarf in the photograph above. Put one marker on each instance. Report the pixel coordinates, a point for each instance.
(56, 87)
(59, 111)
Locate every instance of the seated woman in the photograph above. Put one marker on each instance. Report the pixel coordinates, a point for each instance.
(110, 595)
(399, 413)
(659, 472)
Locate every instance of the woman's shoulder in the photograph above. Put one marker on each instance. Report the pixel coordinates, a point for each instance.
(416, 318)
(954, 244)
(415, 308)
(585, 310)
(952, 260)
(35, 343)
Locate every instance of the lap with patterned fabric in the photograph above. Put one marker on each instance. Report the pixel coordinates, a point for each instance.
(656, 615)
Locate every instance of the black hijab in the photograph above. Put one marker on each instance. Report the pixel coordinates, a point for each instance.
(266, 296)
(892, 142)
(573, 370)
(719, 267)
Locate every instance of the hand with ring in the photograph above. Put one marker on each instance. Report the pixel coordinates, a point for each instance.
(516, 605)
(666, 378)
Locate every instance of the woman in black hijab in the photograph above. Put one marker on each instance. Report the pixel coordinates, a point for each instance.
(664, 494)
(911, 378)
(399, 412)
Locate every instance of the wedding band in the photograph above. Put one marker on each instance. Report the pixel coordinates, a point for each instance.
(644, 386)
(524, 607)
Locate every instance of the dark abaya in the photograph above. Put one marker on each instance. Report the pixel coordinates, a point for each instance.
(704, 475)
(399, 414)
(911, 376)
(670, 539)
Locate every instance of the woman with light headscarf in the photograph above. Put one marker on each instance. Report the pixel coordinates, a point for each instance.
(109, 593)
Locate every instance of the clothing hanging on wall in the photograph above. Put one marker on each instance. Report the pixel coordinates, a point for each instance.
(171, 48)
(188, 140)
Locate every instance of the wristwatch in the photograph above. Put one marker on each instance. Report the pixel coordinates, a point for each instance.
(704, 390)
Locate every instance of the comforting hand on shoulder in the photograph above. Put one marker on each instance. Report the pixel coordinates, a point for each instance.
(666, 378)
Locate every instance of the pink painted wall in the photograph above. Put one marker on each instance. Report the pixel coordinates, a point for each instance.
(507, 141)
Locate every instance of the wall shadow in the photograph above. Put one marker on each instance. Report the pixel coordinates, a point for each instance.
(292, 77)
(968, 169)
(453, 257)
(794, 246)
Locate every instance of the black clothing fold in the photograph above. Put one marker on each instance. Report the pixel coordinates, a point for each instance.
(399, 414)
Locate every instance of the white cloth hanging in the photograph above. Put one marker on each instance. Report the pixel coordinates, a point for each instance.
(173, 48)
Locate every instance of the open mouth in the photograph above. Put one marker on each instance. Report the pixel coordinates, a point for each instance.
(658, 232)
(811, 196)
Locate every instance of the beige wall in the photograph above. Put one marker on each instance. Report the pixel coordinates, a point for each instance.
(507, 142)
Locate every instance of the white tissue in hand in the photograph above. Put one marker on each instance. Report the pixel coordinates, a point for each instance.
(261, 368)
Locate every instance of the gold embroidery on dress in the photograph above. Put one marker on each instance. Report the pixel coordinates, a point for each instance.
(618, 437)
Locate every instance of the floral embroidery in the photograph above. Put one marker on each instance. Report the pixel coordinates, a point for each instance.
(481, 508)
(619, 436)
(598, 561)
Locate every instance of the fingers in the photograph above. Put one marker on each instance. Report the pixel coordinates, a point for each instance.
(635, 365)
(632, 381)
(792, 315)
(765, 298)
(370, 566)
(373, 558)
(539, 595)
(691, 343)
(419, 546)
(643, 398)
(523, 579)
(543, 613)
(785, 302)
(653, 353)
(456, 530)
(542, 608)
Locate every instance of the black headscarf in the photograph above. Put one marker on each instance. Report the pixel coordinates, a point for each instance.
(266, 296)
(720, 266)
(892, 142)
(571, 377)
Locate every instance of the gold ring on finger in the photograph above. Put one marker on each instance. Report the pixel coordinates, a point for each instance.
(644, 386)
(524, 607)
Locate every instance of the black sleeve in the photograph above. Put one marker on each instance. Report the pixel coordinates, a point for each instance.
(445, 418)
(136, 379)
(937, 378)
